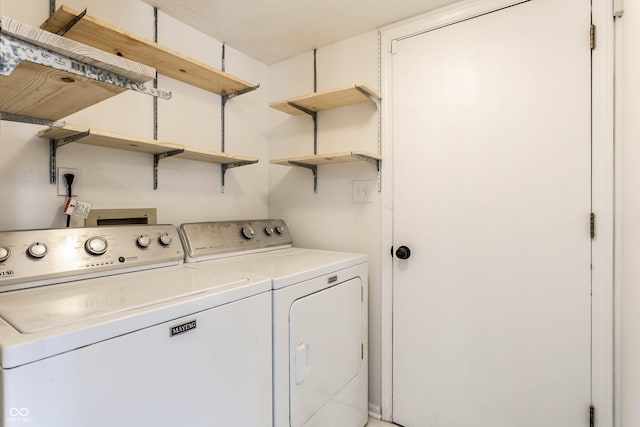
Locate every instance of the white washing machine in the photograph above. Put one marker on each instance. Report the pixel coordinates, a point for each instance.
(105, 327)
(320, 356)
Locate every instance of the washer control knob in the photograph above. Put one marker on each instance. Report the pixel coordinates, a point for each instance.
(268, 230)
(165, 239)
(247, 232)
(4, 253)
(37, 250)
(143, 241)
(96, 245)
(280, 229)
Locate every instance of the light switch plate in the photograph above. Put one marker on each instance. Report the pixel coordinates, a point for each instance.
(362, 191)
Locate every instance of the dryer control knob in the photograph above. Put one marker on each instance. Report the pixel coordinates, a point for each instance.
(37, 250)
(268, 230)
(144, 241)
(165, 239)
(4, 253)
(280, 229)
(96, 245)
(247, 232)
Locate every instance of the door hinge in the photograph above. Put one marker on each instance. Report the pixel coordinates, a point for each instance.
(618, 8)
(592, 37)
(592, 225)
(393, 49)
(361, 351)
(592, 416)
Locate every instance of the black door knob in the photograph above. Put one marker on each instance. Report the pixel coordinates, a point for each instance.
(403, 252)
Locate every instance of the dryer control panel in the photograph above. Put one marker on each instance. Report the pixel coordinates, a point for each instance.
(207, 240)
(31, 258)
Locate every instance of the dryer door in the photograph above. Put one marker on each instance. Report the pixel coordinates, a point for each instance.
(325, 347)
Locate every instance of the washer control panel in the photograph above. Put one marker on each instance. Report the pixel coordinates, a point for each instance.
(39, 257)
(205, 240)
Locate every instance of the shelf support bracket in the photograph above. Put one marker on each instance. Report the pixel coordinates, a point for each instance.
(314, 116)
(373, 161)
(312, 168)
(232, 95)
(223, 101)
(370, 96)
(14, 51)
(62, 31)
(226, 166)
(54, 144)
(156, 160)
(11, 117)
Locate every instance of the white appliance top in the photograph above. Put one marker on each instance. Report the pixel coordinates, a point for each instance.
(30, 258)
(41, 321)
(274, 258)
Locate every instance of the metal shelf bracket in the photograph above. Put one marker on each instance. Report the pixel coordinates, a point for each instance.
(54, 144)
(312, 168)
(226, 166)
(373, 99)
(373, 161)
(11, 117)
(156, 160)
(62, 31)
(223, 103)
(14, 51)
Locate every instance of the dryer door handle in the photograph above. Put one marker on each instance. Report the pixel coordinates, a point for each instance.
(302, 365)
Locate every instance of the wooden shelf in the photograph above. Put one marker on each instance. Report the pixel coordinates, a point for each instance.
(327, 100)
(48, 77)
(94, 32)
(60, 136)
(123, 142)
(329, 159)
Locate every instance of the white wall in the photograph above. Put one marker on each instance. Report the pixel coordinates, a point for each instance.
(329, 219)
(108, 178)
(629, 230)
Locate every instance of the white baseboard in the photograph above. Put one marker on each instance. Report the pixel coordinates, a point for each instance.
(375, 412)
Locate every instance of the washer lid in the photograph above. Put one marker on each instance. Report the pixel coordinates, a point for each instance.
(47, 308)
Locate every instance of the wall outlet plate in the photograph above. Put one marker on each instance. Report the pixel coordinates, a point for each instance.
(62, 183)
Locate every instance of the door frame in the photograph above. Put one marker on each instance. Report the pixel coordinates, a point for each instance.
(602, 131)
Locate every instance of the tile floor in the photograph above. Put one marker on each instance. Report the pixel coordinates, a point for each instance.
(377, 423)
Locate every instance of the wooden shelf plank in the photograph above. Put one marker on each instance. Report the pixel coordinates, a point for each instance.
(144, 145)
(40, 91)
(124, 67)
(94, 32)
(327, 100)
(327, 159)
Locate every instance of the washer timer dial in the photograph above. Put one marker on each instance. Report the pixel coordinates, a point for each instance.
(96, 245)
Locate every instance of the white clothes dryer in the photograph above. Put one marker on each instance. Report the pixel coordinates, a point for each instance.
(320, 355)
(105, 327)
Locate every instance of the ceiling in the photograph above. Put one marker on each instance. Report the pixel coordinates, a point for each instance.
(273, 30)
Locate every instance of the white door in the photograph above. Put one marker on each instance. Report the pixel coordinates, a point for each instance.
(491, 122)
